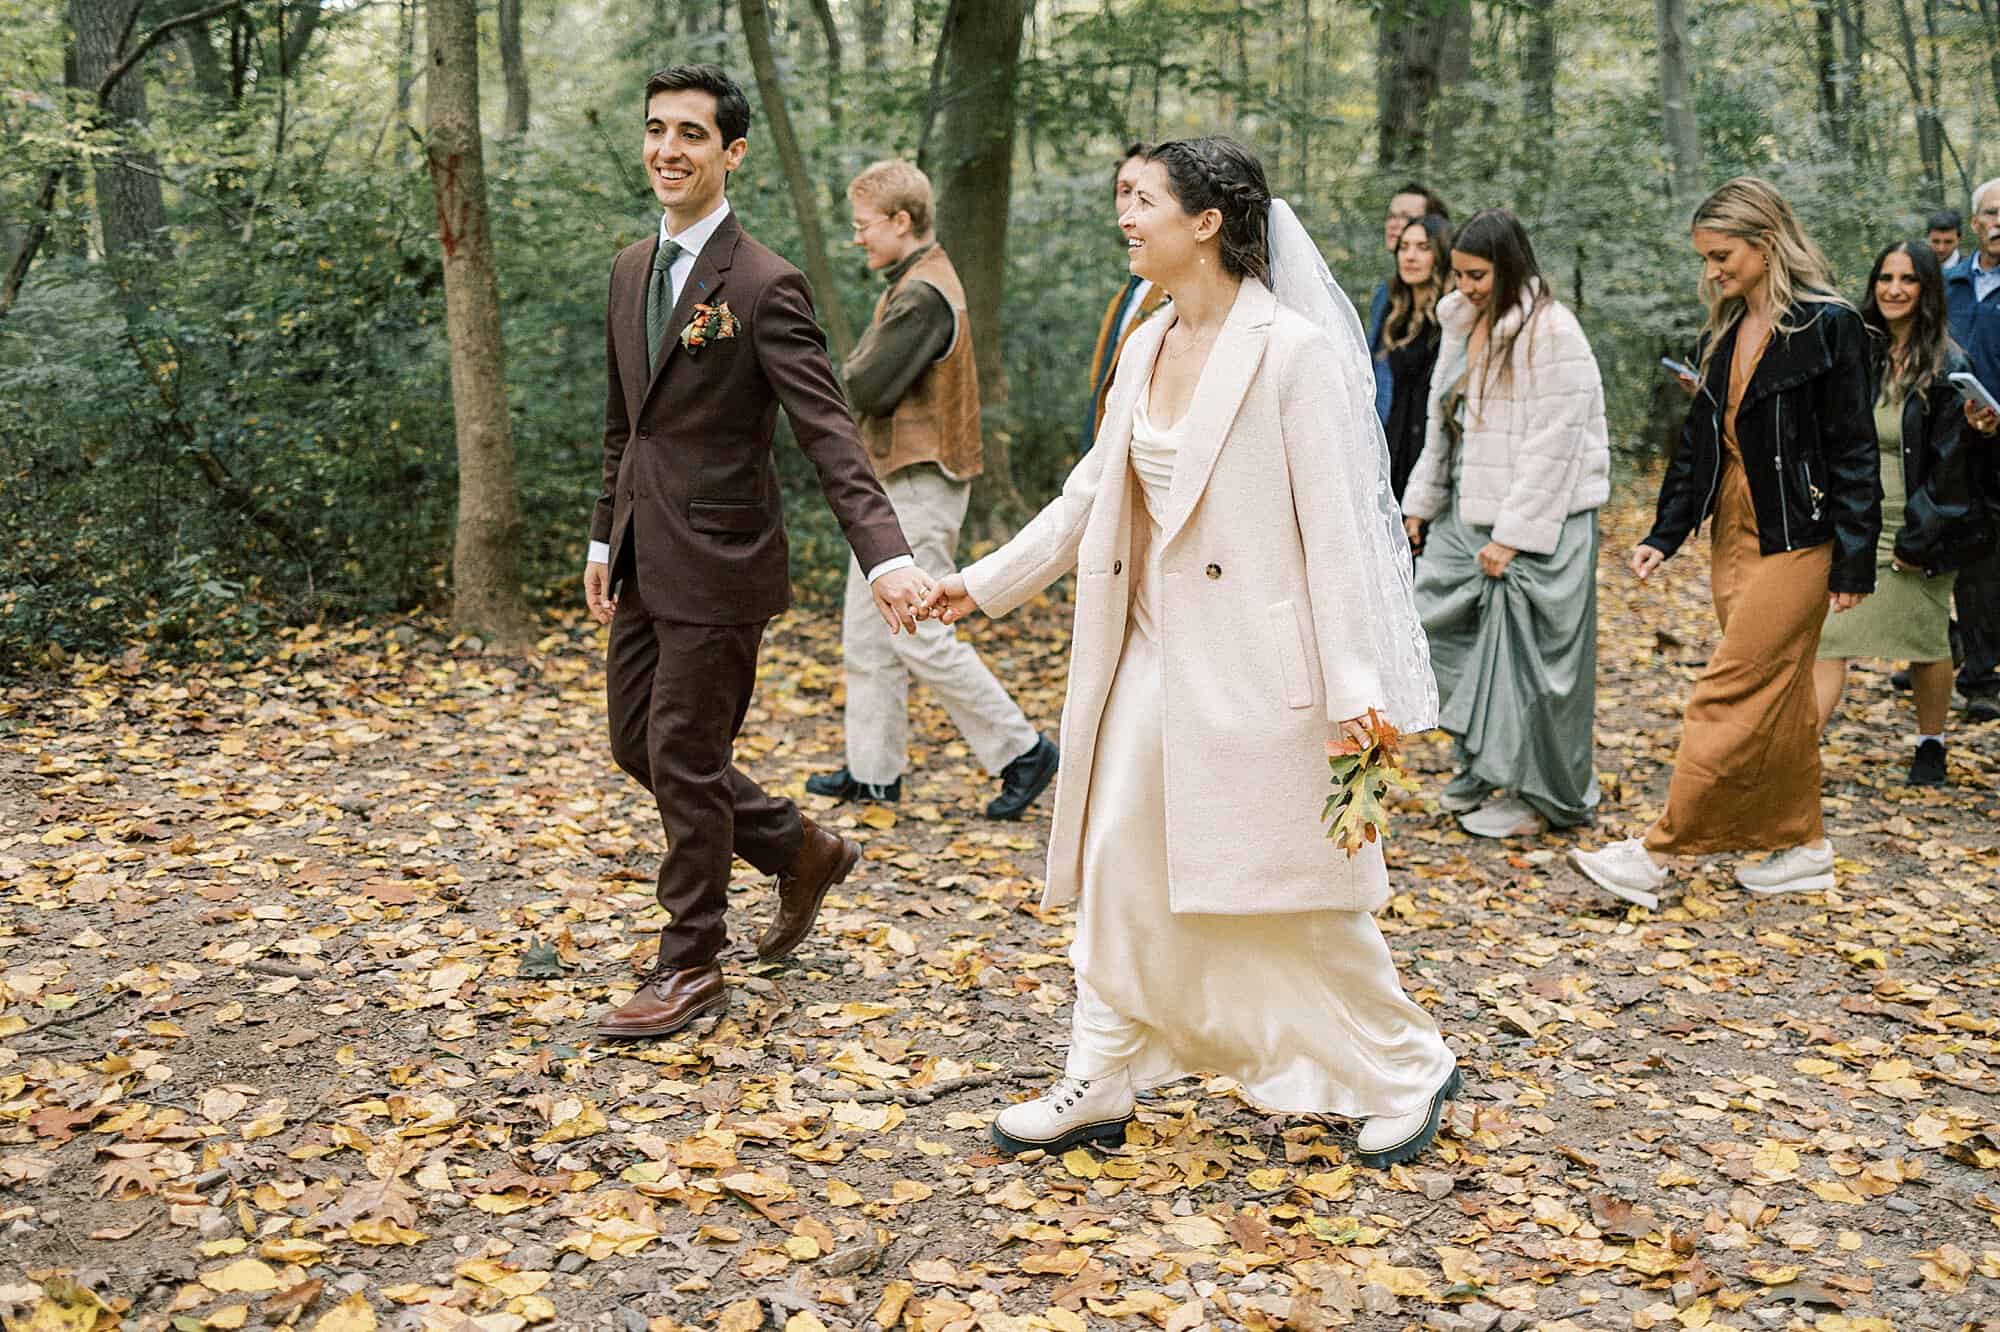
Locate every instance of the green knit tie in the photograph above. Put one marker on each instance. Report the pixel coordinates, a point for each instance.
(660, 298)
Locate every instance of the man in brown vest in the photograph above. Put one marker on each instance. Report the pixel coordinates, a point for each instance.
(912, 383)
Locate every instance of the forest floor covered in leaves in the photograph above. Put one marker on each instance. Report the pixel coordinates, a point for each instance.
(299, 960)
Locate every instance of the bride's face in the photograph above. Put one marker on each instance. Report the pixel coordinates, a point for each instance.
(1162, 239)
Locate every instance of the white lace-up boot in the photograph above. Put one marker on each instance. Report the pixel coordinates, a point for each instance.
(1075, 1110)
(1387, 1140)
(1802, 869)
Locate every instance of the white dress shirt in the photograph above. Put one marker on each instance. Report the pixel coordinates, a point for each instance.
(1984, 279)
(691, 242)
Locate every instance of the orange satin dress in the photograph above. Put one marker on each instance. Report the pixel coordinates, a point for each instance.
(1747, 775)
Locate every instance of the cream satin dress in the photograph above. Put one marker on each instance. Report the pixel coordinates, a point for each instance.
(1303, 1010)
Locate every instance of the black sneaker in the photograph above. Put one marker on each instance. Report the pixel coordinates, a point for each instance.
(1900, 680)
(842, 786)
(1982, 707)
(1927, 768)
(1024, 779)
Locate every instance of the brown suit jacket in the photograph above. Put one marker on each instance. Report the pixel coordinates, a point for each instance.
(690, 479)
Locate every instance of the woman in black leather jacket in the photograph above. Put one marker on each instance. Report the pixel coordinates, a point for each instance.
(1934, 515)
(1779, 447)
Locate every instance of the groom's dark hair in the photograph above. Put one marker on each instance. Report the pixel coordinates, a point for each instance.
(732, 108)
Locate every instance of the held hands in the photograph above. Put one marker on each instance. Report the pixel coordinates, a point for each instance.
(1844, 601)
(1415, 528)
(949, 601)
(597, 592)
(1645, 559)
(901, 596)
(1981, 418)
(1494, 558)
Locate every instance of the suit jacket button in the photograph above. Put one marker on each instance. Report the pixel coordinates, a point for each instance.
(1117, 566)
(1214, 571)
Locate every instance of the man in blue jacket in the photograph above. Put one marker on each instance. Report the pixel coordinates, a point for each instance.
(1972, 301)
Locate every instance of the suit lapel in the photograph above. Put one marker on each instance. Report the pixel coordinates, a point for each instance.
(1224, 382)
(704, 282)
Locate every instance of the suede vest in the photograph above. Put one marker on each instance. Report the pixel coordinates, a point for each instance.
(938, 419)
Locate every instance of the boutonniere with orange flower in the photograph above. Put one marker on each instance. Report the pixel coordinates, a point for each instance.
(1364, 771)
(710, 323)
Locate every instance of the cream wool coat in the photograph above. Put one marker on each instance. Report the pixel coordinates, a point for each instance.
(1536, 447)
(1256, 548)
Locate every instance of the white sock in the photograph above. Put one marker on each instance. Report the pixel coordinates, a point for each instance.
(1922, 738)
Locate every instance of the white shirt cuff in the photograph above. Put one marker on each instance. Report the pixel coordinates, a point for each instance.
(600, 553)
(890, 565)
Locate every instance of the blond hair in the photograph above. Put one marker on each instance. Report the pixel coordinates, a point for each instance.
(1797, 271)
(894, 186)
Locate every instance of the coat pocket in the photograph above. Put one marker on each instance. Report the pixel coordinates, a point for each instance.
(1291, 654)
(726, 517)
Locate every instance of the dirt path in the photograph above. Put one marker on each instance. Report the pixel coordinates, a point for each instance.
(298, 960)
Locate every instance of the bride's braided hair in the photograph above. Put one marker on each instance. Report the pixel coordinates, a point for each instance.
(1218, 172)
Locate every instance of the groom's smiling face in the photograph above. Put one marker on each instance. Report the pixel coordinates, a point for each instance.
(687, 163)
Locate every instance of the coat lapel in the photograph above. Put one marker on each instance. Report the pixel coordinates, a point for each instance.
(1224, 382)
(704, 283)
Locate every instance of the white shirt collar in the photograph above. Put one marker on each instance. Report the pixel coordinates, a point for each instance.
(696, 236)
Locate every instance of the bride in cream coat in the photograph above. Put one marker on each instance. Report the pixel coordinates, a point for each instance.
(1243, 596)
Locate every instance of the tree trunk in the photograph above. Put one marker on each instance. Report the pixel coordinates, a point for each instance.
(406, 74)
(981, 53)
(1421, 49)
(1826, 73)
(514, 70)
(1677, 99)
(1538, 79)
(486, 578)
(1930, 131)
(130, 209)
(874, 19)
(1854, 97)
(771, 93)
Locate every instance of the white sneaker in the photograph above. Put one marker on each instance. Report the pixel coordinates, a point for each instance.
(1801, 869)
(1624, 870)
(1507, 816)
(1075, 1110)
(1387, 1140)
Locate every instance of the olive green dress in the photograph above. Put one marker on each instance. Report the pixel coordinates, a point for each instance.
(1908, 617)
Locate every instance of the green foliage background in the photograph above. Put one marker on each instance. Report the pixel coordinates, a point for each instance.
(294, 332)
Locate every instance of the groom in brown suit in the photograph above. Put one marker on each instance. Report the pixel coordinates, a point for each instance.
(707, 335)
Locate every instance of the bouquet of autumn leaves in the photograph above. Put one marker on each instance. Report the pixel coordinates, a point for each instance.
(1363, 772)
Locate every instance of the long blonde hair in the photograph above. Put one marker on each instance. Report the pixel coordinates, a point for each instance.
(1751, 209)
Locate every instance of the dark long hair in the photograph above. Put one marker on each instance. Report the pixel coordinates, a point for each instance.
(1412, 310)
(1497, 236)
(1220, 173)
(1930, 334)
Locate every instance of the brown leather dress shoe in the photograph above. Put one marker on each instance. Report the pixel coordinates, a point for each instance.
(668, 1001)
(824, 859)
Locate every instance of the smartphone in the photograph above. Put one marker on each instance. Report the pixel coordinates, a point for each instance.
(1683, 370)
(1978, 392)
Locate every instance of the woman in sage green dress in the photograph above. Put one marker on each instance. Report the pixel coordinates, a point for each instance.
(1934, 516)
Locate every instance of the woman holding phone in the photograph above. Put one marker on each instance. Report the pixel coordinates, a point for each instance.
(1934, 518)
(1779, 447)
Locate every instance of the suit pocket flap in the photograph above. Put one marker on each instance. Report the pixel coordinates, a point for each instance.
(730, 516)
(1291, 654)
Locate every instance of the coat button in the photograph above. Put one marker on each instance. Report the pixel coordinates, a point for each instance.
(1214, 571)
(1117, 566)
